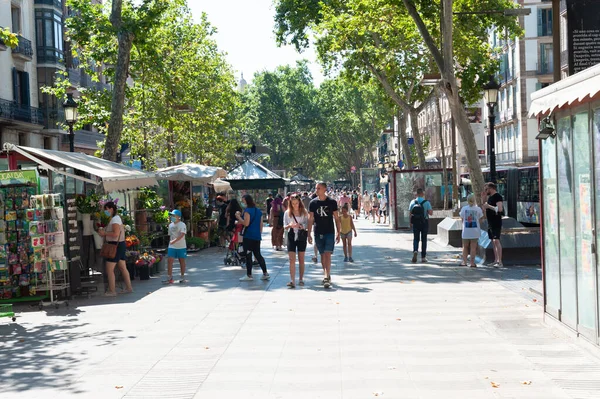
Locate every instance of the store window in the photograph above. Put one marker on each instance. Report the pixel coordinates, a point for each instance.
(551, 238)
(596, 136)
(586, 281)
(566, 223)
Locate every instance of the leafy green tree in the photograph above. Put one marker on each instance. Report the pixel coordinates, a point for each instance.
(181, 97)
(381, 37)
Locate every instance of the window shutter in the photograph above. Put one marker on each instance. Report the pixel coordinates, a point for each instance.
(15, 78)
(540, 22)
(25, 94)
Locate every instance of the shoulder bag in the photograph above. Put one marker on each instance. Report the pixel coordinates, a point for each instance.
(302, 233)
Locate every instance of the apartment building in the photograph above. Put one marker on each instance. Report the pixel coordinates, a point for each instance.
(21, 120)
(27, 115)
(526, 65)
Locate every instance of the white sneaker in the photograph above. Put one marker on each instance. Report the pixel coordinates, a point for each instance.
(265, 276)
(246, 278)
(424, 260)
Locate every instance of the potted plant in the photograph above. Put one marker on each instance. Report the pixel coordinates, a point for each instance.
(195, 243)
(86, 205)
(143, 265)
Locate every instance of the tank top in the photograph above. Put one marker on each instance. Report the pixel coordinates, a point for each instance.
(346, 225)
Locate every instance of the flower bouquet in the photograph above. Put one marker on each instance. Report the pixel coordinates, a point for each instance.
(132, 241)
(143, 264)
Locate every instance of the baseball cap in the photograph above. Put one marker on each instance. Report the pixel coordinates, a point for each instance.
(175, 212)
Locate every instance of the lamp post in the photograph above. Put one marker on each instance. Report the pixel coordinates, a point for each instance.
(490, 93)
(70, 107)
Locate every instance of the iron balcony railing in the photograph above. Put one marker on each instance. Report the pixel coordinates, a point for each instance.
(24, 47)
(19, 112)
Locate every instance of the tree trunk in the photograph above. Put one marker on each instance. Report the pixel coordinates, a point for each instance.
(445, 64)
(414, 127)
(404, 140)
(125, 40)
(438, 112)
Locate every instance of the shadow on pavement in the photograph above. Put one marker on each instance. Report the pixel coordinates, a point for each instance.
(29, 361)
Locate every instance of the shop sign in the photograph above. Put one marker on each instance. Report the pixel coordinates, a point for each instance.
(13, 177)
(583, 33)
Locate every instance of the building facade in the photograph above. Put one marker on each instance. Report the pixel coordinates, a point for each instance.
(20, 118)
(28, 116)
(526, 65)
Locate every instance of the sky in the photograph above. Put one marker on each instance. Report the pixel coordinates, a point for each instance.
(245, 33)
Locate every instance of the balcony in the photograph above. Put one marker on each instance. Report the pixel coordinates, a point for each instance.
(53, 117)
(24, 50)
(55, 3)
(49, 55)
(545, 68)
(12, 111)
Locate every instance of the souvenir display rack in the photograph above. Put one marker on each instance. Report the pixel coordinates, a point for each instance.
(33, 265)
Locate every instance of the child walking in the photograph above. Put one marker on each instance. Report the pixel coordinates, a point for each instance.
(177, 246)
(346, 232)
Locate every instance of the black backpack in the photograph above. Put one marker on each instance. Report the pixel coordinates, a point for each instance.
(417, 213)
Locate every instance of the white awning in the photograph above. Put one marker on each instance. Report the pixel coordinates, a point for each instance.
(221, 185)
(197, 174)
(114, 176)
(575, 88)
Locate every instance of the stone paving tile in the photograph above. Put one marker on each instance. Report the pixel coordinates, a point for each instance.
(459, 330)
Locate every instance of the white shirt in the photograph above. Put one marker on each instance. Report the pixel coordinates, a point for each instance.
(109, 229)
(302, 220)
(383, 201)
(175, 230)
(470, 216)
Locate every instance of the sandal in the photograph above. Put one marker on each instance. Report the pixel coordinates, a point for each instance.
(111, 294)
(301, 283)
(463, 264)
(472, 266)
(291, 285)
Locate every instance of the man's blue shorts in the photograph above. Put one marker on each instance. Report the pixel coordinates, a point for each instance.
(179, 253)
(325, 242)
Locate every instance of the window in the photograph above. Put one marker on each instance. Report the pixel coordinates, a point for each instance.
(546, 64)
(15, 13)
(545, 22)
(23, 139)
(49, 34)
(21, 87)
(47, 143)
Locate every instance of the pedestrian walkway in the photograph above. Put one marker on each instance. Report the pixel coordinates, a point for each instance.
(387, 328)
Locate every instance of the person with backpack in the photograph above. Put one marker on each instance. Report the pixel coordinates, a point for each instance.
(420, 210)
(494, 210)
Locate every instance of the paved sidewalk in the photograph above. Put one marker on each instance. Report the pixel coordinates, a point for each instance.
(388, 328)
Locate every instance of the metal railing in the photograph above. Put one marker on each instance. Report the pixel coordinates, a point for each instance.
(19, 112)
(53, 117)
(545, 68)
(24, 47)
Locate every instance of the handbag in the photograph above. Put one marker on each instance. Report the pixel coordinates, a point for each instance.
(302, 234)
(249, 224)
(108, 251)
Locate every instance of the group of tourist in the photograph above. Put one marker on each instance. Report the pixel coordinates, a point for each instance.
(471, 216)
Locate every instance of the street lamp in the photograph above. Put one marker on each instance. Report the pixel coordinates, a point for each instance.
(490, 94)
(70, 107)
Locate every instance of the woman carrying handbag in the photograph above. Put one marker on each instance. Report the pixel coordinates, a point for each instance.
(295, 221)
(115, 244)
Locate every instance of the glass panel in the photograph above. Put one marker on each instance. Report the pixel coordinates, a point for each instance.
(586, 291)
(566, 224)
(596, 128)
(48, 33)
(551, 239)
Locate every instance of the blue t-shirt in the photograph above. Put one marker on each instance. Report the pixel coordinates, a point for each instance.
(253, 230)
(426, 205)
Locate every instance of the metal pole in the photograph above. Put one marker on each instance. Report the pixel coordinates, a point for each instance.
(492, 145)
(556, 62)
(455, 174)
(71, 138)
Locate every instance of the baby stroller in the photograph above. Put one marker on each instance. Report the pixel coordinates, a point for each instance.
(235, 253)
